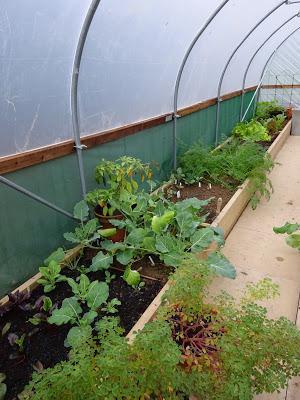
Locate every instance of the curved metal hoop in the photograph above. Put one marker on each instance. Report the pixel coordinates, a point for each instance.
(253, 57)
(229, 60)
(74, 89)
(179, 75)
(271, 57)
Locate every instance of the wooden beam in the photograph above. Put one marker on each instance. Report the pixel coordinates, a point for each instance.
(296, 86)
(42, 154)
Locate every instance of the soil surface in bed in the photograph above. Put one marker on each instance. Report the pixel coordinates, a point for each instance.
(45, 343)
(205, 192)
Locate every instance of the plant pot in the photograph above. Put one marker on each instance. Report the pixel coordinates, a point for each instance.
(105, 223)
(289, 113)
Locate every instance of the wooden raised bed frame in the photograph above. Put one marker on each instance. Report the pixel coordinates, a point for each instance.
(225, 220)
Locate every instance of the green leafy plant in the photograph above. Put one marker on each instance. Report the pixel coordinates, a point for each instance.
(160, 227)
(268, 109)
(92, 293)
(275, 124)
(50, 276)
(86, 233)
(210, 350)
(293, 239)
(70, 313)
(132, 278)
(230, 166)
(119, 183)
(252, 131)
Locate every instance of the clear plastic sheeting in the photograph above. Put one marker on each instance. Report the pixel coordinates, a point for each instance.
(132, 55)
(130, 61)
(37, 45)
(284, 70)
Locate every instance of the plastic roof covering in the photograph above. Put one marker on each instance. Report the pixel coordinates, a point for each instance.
(130, 61)
(284, 69)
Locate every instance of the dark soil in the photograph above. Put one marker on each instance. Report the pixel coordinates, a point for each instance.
(274, 136)
(45, 342)
(266, 145)
(204, 192)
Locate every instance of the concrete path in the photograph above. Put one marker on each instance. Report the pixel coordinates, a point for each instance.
(257, 252)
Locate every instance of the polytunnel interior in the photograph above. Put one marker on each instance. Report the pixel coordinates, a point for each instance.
(130, 63)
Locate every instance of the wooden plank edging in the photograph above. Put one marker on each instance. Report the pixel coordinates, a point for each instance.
(32, 282)
(236, 205)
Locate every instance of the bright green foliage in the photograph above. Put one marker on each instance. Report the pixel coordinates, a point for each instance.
(188, 287)
(101, 262)
(253, 354)
(50, 276)
(221, 265)
(257, 354)
(252, 131)
(268, 109)
(120, 186)
(230, 166)
(92, 293)
(70, 313)
(81, 211)
(158, 226)
(293, 239)
(86, 233)
(131, 277)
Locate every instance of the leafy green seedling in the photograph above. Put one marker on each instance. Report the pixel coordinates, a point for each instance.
(111, 306)
(94, 294)
(70, 312)
(50, 276)
(109, 277)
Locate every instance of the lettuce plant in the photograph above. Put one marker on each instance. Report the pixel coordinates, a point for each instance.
(252, 131)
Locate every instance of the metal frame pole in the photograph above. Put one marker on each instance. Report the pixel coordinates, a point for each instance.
(219, 99)
(179, 76)
(253, 57)
(33, 196)
(74, 89)
(75, 120)
(272, 55)
(292, 90)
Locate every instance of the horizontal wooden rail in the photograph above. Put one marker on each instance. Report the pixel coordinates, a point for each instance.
(283, 86)
(42, 154)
